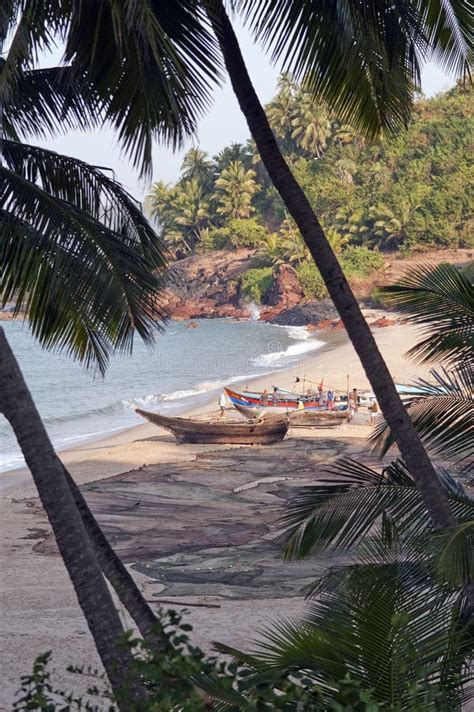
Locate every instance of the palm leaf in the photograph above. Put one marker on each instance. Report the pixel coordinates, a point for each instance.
(362, 59)
(456, 563)
(145, 68)
(77, 254)
(152, 63)
(43, 102)
(442, 413)
(440, 299)
(340, 510)
(31, 28)
(371, 621)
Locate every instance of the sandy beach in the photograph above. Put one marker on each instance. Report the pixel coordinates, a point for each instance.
(201, 532)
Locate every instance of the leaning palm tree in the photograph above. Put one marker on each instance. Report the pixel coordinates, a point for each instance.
(77, 254)
(364, 61)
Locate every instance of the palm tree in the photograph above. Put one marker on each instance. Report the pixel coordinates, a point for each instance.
(235, 188)
(161, 206)
(191, 209)
(372, 95)
(229, 154)
(197, 166)
(77, 253)
(311, 125)
(73, 542)
(281, 112)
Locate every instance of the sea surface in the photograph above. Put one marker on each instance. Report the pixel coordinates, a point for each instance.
(186, 368)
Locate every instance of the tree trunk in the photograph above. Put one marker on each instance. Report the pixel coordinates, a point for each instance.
(118, 576)
(89, 585)
(339, 290)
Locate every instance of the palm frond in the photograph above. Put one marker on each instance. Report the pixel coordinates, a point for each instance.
(442, 413)
(388, 623)
(363, 59)
(152, 63)
(456, 562)
(44, 102)
(77, 254)
(439, 299)
(339, 511)
(31, 29)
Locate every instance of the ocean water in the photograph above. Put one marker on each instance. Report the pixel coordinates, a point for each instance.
(186, 368)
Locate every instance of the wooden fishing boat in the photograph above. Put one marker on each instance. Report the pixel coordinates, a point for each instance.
(235, 432)
(280, 399)
(301, 418)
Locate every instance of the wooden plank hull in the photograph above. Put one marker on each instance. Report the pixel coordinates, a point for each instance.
(188, 430)
(300, 419)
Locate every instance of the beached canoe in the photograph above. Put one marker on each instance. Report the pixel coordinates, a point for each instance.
(231, 432)
(301, 418)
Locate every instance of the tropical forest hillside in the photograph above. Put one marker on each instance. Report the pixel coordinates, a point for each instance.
(378, 201)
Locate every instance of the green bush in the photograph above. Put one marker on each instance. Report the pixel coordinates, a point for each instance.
(255, 283)
(214, 239)
(356, 262)
(246, 233)
(311, 281)
(360, 262)
(236, 233)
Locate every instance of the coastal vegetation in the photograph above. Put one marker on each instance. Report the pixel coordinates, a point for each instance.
(411, 191)
(375, 198)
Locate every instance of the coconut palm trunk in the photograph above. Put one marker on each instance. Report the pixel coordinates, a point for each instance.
(90, 587)
(120, 579)
(339, 290)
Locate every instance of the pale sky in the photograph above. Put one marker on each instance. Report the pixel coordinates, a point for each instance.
(222, 125)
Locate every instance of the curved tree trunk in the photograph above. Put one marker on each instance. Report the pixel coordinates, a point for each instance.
(90, 587)
(339, 290)
(120, 579)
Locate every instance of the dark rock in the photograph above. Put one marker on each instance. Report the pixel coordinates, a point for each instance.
(309, 313)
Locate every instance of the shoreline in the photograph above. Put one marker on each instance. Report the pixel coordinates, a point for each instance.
(327, 359)
(128, 434)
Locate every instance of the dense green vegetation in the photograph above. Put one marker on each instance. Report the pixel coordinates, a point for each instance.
(411, 191)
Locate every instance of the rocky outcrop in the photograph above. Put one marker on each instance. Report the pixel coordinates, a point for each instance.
(310, 313)
(206, 286)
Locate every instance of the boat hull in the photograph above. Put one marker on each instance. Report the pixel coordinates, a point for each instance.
(188, 430)
(301, 419)
(254, 400)
(249, 399)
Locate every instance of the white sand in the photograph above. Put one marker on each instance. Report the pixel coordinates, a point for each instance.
(39, 610)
